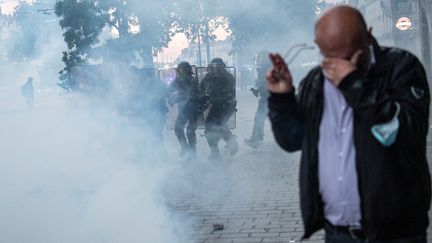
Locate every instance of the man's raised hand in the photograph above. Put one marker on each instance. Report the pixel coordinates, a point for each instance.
(279, 78)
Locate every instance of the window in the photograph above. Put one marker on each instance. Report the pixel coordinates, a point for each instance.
(403, 6)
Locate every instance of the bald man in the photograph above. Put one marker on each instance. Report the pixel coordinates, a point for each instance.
(360, 120)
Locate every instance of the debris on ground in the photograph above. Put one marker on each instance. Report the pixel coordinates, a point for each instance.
(218, 227)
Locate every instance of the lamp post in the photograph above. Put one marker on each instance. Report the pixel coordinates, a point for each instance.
(199, 47)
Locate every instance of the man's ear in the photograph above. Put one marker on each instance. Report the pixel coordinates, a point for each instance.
(369, 35)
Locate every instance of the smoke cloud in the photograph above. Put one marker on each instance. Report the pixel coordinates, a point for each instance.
(74, 168)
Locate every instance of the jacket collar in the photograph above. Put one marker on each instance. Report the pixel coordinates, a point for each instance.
(318, 80)
(376, 50)
(380, 60)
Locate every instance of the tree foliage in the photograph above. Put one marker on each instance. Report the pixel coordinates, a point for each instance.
(131, 31)
(198, 20)
(28, 30)
(254, 25)
(145, 26)
(4, 34)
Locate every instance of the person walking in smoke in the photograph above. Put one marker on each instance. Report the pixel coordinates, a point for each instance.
(145, 109)
(262, 64)
(245, 76)
(361, 121)
(219, 86)
(156, 99)
(28, 92)
(185, 93)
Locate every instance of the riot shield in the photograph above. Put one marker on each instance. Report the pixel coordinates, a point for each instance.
(167, 76)
(202, 73)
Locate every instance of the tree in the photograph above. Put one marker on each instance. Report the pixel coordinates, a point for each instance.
(255, 25)
(82, 22)
(138, 30)
(4, 34)
(198, 20)
(142, 28)
(29, 30)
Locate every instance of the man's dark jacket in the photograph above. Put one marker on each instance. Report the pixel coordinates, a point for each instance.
(394, 181)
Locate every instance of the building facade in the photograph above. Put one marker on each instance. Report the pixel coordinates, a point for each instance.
(401, 23)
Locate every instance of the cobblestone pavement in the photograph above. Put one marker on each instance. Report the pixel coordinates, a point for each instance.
(253, 194)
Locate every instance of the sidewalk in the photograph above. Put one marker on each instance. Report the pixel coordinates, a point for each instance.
(254, 196)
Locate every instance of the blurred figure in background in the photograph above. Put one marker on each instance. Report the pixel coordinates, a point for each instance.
(145, 108)
(184, 92)
(156, 94)
(28, 92)
(263, 65)
(244, 78)
(219, 86)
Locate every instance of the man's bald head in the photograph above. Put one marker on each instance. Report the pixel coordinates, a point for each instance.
(341, 31)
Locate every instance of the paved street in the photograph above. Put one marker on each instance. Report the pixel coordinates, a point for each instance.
(254, 194)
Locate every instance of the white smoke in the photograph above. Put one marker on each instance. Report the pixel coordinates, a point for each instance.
(73, 170)
(70, 174)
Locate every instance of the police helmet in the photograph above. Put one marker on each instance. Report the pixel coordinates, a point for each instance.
(218, 62)
(185, 67)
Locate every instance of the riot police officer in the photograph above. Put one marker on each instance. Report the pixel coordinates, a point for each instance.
(219, 86)
(260, 90)
(185, 91)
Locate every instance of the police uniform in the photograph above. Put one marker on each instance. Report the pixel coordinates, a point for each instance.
(185, 91)
(219, 86)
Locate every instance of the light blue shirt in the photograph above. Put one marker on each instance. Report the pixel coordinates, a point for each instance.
(338, 182)
(337, 167)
